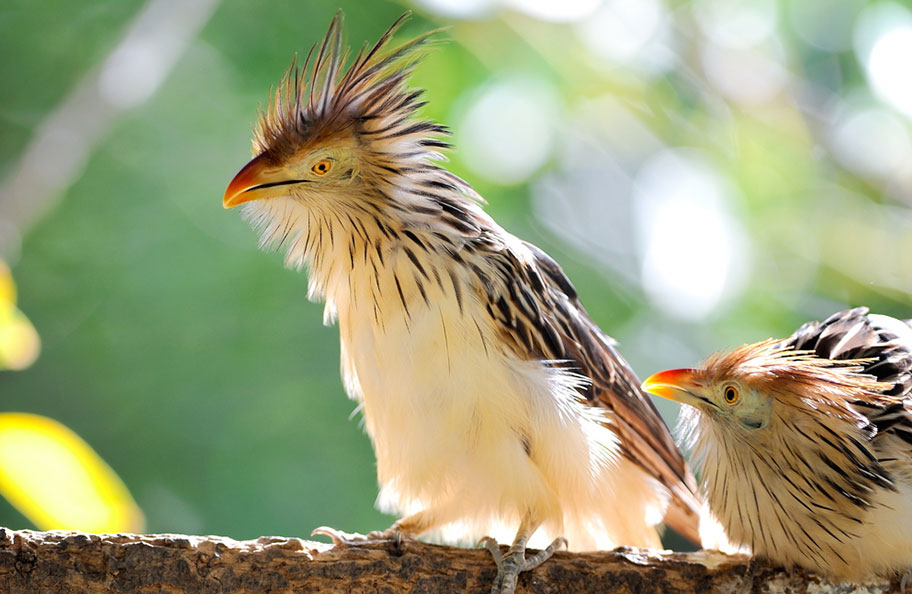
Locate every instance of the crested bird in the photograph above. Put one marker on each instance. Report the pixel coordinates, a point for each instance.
(805, 444)
(492, 400)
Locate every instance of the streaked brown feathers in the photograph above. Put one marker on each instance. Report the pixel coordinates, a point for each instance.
(541, 317)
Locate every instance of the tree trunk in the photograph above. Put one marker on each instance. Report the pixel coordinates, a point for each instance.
(64, 562)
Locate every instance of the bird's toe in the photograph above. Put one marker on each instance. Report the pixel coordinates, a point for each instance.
(491, 545)
(540, 557)
(509, 566)
(339, 537)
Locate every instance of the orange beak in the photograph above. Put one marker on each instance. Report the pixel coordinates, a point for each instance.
(257, 180)
(674, 384)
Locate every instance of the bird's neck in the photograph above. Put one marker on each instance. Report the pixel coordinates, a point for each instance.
(357, 256)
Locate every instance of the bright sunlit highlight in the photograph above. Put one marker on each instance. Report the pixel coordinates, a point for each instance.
(692, 247)
(889, 67)
(458, 9)
(883, 44)
(630, 33)
(557, 11)
(507, 132)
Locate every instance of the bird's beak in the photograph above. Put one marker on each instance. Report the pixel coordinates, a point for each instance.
(674, 384)
(255, 181)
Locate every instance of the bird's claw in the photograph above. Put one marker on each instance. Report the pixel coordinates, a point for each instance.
(509, 566)
(493, 548)
(352, 538)
(338, 537)
(904, 581)
(542, 556)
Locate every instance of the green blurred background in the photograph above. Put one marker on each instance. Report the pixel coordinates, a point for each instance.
(708, 173)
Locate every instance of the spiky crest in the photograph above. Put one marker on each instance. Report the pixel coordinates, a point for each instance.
(371, 97)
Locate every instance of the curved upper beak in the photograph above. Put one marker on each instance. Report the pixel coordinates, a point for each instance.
(255, 181)
(674, 384)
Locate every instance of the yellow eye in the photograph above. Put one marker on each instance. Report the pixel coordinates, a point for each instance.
(322, 167)
(730, 395)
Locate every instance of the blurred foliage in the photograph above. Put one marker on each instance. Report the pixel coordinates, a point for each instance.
(19, 343)
(194, 363)
(58, 482)
(47, 472)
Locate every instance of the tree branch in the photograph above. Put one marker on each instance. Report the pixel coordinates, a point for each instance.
(65, 562)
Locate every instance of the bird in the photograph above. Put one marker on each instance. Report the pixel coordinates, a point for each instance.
(494, 404)
(805, 444)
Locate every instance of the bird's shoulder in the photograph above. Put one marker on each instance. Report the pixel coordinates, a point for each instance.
(538, 311)
(535, 305)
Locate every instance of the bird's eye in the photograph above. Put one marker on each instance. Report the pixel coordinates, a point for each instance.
(730, 395)
(322, 167)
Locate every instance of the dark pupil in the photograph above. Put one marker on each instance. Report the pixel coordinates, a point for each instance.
(729, 394)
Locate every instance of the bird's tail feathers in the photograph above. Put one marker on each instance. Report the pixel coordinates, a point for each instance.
(689, 515)
(684, 514)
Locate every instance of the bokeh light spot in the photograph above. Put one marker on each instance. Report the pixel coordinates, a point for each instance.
(889, 68)
(747, 76)
(736, 23)
(557, 11)
(692, 247)
(632, 33)
(824, 24)
(507, 132)
(872, 141)
(458, 9)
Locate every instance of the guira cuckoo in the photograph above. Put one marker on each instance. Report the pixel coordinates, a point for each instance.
(492, 400)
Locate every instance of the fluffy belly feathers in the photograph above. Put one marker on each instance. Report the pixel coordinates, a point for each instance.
(465, 431)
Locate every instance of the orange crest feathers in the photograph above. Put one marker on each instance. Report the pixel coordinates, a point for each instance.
(793, 377)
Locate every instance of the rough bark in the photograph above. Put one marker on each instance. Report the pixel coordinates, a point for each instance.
(64, 562)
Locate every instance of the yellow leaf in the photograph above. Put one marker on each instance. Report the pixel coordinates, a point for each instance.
(19, 343)
(7, 286)
(58, 481)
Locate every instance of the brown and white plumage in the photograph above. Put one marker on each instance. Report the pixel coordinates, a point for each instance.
(491, 398)
(805, 444)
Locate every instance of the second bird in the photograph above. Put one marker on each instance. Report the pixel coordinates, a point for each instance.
(805, 444)
(492, 401)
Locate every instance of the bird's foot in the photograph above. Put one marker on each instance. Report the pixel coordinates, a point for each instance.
(747, 582)
(905, 581)
(509, 566)
(351, 538)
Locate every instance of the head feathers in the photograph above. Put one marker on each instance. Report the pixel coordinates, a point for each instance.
(796, 378)
(319, 101)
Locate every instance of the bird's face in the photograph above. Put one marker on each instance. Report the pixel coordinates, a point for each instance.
(343, 155)
(724, 399)
(311, 173)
